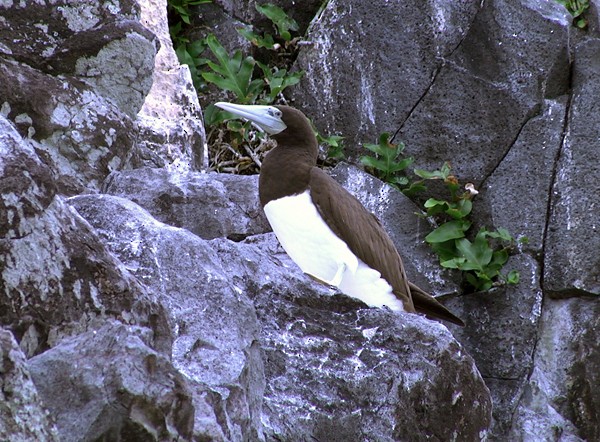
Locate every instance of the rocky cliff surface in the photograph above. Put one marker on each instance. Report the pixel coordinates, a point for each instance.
(142, 299)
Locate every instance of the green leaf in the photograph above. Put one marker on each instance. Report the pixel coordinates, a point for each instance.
(280, 19)
(479, 283)
(435, 175)
(451, 230)
(460, 209)
(513, 277)
(232, 74)
(445, 250)
(213, 115)
(261, 41)
(478, 253)
(414, 189)
(454, 263)
(500, 233)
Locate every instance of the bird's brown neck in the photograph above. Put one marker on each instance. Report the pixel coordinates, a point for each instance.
(285, 171)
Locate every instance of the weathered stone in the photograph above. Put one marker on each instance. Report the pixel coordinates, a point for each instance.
(371, 62)
(22, 416)
(170, 121)
(517, 193)
(83, 135)
(561, 400)
(104, 45)
(399, 216)
(501, 325)
(210, 205)
(501, 334)
(572, 262)
(34, 32)
(214, 324)
(57, 279)
(109, 384)
(514, 55)
(336, 370)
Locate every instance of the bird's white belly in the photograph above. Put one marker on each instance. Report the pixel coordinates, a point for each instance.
(319, 252)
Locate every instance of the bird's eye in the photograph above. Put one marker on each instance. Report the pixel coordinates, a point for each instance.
(275, 113)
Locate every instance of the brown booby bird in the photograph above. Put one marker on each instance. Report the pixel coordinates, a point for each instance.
(324, 229)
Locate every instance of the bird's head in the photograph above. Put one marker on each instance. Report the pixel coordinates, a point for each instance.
(287, 125)
(267, 118)
(277, 121)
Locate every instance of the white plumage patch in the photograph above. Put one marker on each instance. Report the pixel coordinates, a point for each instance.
(319, 252)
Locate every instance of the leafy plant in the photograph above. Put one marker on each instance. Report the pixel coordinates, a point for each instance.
(182, 8)
(282, 23)
(232, 73)
(577, 9)
(335, 147)
(187, 52)
(481, 259)
(386, 163)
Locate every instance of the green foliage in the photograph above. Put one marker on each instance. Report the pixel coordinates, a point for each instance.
(280, 19)
(577, 9)
(232, 73)
(387, 164)
(182, 8)
(278, 80)
(281, 22)
(481, 259)
(335, 147)
(235, 146)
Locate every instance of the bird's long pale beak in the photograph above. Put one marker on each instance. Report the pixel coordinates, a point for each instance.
(266, 118)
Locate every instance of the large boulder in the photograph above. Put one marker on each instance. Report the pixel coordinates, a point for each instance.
(214, 324)
(235, 354)
(210, 205)
(109, 384)
(22, 415)
(58, 279)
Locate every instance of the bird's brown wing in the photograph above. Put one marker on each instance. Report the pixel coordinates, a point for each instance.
(369, 241)
(361, 230)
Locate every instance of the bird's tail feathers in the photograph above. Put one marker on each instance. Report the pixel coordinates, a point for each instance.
(431, 307)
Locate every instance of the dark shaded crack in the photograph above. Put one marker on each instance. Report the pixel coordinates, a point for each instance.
(557, 158)
(444, 59)
(537, 112)
(501, 378)
(419, 100)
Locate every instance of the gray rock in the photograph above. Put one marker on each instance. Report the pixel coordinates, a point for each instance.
(561, 400)
(82, 135)
(170, 121)
(336, 370)
(501, 334)
(209, 205)
(501, 325)
(22, 416)
(572, 262)
(300, 323)
(213, 322)
(105, 45)
(57, 278)
(514, 55)
(399, 216)
(517, 193)
(368, 67)
(109, 384)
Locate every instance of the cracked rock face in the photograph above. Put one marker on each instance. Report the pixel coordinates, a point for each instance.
(164, 309)
(125, 389)
(22, 416)
(279, 354)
